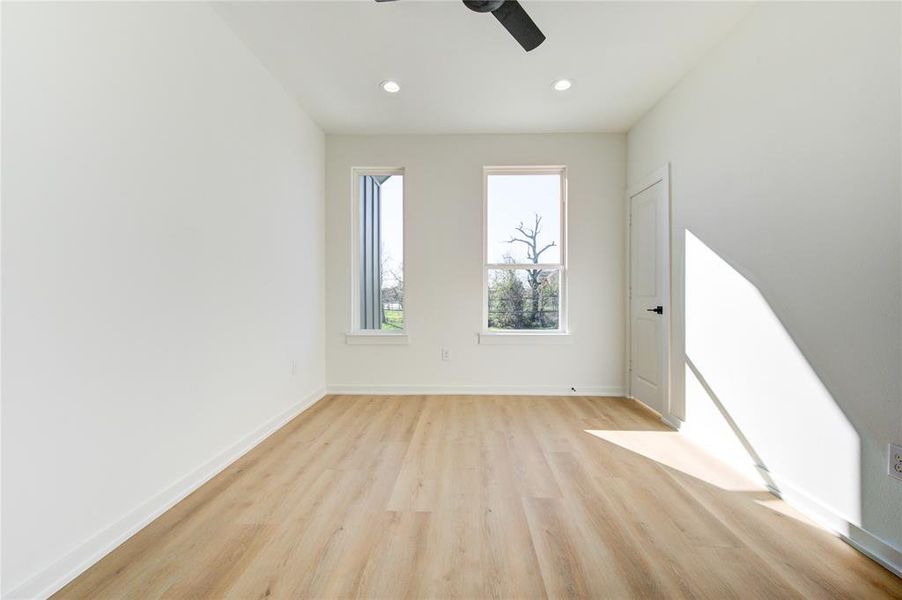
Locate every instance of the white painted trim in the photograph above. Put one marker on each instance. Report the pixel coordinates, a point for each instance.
(464, 390)
(875, 548)
(53, 578)
(661, 174)
(504, 338)
(516, 266)
(671, 421)
(627, 292)
(561, 267)
(668, 419)
(376, 338)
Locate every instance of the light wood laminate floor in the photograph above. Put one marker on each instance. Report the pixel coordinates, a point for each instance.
(481, 497)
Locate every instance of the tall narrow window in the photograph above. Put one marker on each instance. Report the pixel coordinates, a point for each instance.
(379, 250)
(525, 249)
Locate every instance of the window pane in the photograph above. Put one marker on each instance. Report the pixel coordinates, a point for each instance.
(381, 238)
(392, 260)
(524, 299)
(524, 218)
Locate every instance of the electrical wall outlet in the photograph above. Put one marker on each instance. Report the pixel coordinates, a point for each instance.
(895, 461)
(446, 354)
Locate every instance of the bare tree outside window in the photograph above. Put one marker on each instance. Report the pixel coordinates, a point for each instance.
(392, 278)
(525, 298)
(537, 278)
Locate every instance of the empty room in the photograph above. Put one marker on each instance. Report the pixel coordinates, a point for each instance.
(450, 299)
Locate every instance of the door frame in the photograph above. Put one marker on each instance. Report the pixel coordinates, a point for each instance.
(659, 175)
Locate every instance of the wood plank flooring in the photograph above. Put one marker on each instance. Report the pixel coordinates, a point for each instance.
(481, 497)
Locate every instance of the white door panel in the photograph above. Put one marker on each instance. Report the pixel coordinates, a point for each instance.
(649, 261)
(645, 215)
(646, 364)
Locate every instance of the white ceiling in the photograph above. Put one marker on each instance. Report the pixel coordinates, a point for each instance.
(461, 72)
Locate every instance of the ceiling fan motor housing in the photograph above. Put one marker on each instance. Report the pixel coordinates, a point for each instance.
(483, 5)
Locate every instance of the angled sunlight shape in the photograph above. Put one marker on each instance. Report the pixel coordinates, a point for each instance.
(675, 451)
(751, 395)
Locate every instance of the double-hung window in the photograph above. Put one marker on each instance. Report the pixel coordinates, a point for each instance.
(525, 249)
(378, 251)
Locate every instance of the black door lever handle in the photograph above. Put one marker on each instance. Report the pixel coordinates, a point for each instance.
(657, 309)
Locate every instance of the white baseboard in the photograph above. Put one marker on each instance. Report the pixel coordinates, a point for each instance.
(456, 390)
(881, 551)
(70, 566)
(672, 421)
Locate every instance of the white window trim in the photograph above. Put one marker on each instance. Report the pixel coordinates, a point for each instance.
(521, 336)
(502, 338)
(376, 338)
(356, 335)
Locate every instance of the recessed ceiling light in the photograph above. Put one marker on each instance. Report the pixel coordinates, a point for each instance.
(562, 85)
(392, 87)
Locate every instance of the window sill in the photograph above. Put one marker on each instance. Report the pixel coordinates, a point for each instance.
(376, 338)
(493, 338)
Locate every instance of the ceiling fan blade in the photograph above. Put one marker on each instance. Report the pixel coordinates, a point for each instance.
(519, 24)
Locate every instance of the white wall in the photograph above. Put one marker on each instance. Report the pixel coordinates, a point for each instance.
(162, 266)
(443, 270)
(785, 152)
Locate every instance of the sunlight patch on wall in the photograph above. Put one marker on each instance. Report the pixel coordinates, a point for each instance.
(743, 366)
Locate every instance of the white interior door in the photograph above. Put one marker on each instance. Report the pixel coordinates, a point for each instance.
(649, 296)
